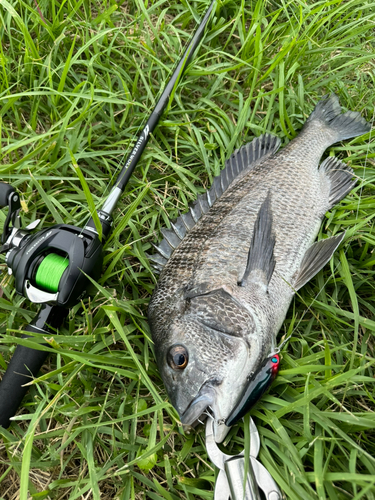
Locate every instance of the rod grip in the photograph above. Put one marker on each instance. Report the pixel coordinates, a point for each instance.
(24, 365)
(5, 191)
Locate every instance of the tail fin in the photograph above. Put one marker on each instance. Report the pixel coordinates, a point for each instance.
(341, 126)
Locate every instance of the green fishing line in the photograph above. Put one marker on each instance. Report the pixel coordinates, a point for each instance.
(50, 270)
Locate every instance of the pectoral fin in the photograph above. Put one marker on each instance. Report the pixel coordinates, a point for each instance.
(315, 258)
(261, 261)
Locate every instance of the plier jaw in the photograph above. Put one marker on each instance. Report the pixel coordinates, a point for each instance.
(231, 482)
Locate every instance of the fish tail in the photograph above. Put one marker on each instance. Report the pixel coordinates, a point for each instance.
(340, 126)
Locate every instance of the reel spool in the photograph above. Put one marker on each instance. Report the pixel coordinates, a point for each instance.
(49, 272)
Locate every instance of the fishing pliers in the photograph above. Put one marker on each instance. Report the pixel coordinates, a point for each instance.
(230, 482)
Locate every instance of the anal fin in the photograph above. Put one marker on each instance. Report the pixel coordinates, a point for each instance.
(315, 258)
(261, 261)
(340, 177)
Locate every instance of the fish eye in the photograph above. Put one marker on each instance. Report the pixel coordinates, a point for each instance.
(178, 357)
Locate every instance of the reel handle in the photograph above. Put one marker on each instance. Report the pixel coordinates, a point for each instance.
(26, 363)
(9, 198)
(5, 191)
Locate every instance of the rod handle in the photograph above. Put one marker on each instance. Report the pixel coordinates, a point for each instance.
(26, 362)
(24, 365)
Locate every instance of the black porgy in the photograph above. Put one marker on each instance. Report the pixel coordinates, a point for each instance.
(230, 266)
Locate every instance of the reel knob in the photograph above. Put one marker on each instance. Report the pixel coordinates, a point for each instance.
(9, 198)
(5, 191)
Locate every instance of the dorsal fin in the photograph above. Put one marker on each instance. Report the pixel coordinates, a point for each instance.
(245, 158)
(261, 261)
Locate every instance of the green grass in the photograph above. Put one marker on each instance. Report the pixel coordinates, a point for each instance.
(77, 80)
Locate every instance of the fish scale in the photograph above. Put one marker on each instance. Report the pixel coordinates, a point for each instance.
(185, 256)
(230, 268)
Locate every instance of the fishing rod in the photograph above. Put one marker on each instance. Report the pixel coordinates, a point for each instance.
(54, 266)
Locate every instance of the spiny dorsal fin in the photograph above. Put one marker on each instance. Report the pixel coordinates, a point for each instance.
(315, 258)
(158, 261)
(261, 261)
(245, 158)
(340, 177)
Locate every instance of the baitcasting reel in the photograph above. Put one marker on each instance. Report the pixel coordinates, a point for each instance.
(52, 265)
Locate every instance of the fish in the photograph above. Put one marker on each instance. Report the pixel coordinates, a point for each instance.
(230, 266)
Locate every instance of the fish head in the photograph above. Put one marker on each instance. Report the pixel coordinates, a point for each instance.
(206, 355)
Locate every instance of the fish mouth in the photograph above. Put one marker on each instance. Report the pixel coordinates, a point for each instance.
(218, 395)
(204, 399)
(211, 395)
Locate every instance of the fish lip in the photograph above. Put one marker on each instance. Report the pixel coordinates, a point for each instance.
(204, 399)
